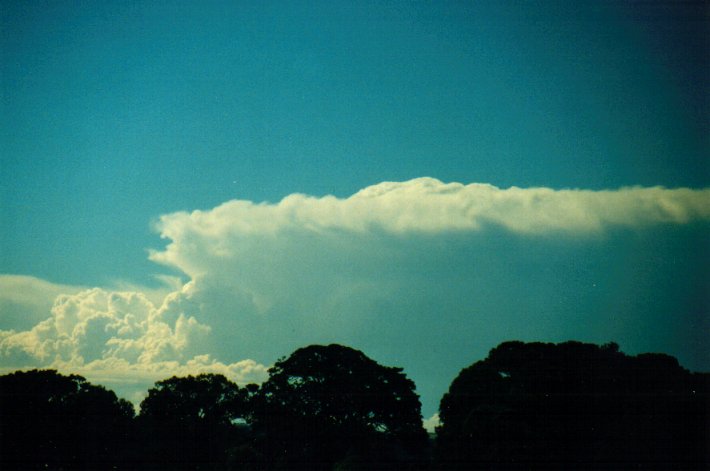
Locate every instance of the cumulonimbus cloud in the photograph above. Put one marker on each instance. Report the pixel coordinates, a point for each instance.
(264, 279)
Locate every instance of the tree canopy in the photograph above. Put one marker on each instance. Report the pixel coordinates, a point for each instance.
(61, 422)
(327, 404)
(207, 397)
(191, 422)
(526, 406)
(572, 406)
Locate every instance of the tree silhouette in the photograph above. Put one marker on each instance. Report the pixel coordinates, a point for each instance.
(573, 406)
(327, 406)
(526, 406)
(51, 421)
(192, 422)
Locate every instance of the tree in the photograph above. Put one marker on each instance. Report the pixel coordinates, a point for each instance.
(192, 422)
(210, 398)
(327, 406)
(61, 422)
(573, 405)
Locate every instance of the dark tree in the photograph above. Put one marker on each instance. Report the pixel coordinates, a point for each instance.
(574, 406)
(211, 398)
(51, 421)
(332, 406)
(192, 422)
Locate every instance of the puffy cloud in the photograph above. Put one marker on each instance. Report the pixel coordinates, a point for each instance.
(116, 337)
(26, 300)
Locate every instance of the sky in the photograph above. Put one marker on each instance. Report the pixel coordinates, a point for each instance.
(195, 187)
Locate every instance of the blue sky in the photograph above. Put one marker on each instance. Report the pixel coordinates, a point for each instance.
(115, 116)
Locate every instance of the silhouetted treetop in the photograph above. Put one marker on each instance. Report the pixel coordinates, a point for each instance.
(573, 405)
(60, 422)
(325, 403)
(208, 397)
(536, 405)
(191, 422)
(344, 387)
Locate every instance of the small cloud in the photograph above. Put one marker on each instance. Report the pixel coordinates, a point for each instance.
(431, 423)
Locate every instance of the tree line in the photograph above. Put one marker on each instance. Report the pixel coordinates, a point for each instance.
(526, 406)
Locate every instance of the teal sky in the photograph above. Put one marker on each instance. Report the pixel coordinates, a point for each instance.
(113, 114)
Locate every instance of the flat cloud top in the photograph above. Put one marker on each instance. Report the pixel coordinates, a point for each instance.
(429, 205)
(422, 206)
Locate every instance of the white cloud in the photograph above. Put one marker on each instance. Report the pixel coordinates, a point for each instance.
(431, 423)
(26, 300)
(426, 205)
(306, 261)
(115, 336)
(265, 279)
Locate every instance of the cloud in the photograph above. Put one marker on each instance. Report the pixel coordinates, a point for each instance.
(26, 300)
(304, 269)
(426, 205)
(431, 423)
(412, 273)
(119, 337)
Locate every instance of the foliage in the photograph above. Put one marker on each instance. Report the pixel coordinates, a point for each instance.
(61, 422)
(526, 406)
(326, 405)
(572, 406)
(192, 422)
(207, 397)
